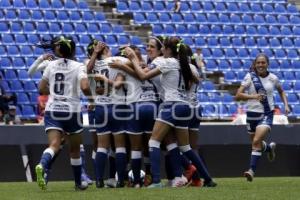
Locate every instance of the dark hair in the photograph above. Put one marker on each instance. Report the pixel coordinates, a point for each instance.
(191, 56)
(179, 51)
(159, 40)
(66, 46)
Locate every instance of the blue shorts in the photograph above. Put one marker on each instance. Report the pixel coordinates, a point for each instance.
(120, 117)
(194, 123)
(64, 122)
(103, 118)
(142, 119)
(92, 121)
(176, 114)
(255, 119)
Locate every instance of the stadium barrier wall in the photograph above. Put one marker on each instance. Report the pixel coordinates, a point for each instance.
(225, 149)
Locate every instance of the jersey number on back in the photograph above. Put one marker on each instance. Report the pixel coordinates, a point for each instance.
(59, 84)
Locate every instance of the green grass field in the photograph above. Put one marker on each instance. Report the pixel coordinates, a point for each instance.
(228, 188)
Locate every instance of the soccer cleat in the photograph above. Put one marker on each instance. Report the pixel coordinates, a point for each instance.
(210, 183)
(100, 184)
(86, 178)
(46, 175)
(147, 180)
(196, 183)
(189, 172)
(155, 185)
(39, 171)
(111, 183)
(271, 154)
(179, 182)
(81, 187)
(249, 175)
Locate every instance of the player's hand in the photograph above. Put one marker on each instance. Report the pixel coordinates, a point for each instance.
(129, 53)
(259, 97)
(99, 47)
(48, 56)
(287, 109)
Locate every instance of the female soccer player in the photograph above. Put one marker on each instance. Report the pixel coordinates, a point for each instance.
(61, 80)
(257, 89)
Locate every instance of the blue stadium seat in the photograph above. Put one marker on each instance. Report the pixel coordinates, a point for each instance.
(19, 63)
(24, 15)
(33, 96)
(189, 17)
(275, 43)
(195, 6)
(164, 18)
(5, 86)
(67, 29)
(220, 7)
(201, 18)
(227, 98)
(217, 53)
(70, 5)
(49, 16)
(3, 51)
(57, 5)
(29, 61)
(247, 19)
(208, 86)
(235, 19)
(37, 15)
(215, 29)
(286, 86)
(240, 75)
(122, 6)
(296, 110)
(184, 7)
(54, 28)
(152, 18)
(296, 30)
(5, 4)
(28, 112)
(20, 39)
(29, 86)
(254, 52)
(75, 16)
(282, 19)
(274, 65)
(16, 86)
(93, 28)
(13, 51)
(297, 86)
(250, 42)
(157, 29)
(296, 64)
(37, 76)
(230, 76)
(270, 19)
(279, 53)
(232, 7)
(228, 30)
(31, 4)
(176, 18)
(239, 30)
(209, 111)
(200, 41)
(292, 98)
(118, 30)
(237, 42)
(203, 98)
(5, 62)
(225, 42)
(262, 30)
(44, 5)
(211, 65)
(259, 19)
(292, 8)
(159, 6)
(80, 28)
(263, 42)
(207, 6)
(169, 29)
(292, 54)
(243, 53)
(214, 97)
(63, 16)
(181, 29)
(88, 16)
(83, 5)
(295, 20)
(26, 51)
(123, 40)
(288, 76)
(22, 75)
(33, 38)
(7, 39)
(42, 27)
(106, 28)
(285, 31)
(230, 53)
(16, 27)
(10, 74)
(111, 40)
(279, 8)
(11, 15)
(251, 30)
(267, 8)
(223, 111)
(213, 42)
(224, 65)
(100, 17)
(255, 7)
(22, 98)
(224, 18)
(212, 18)
(274, 31)
(134, 6)
(135, 40)
(147, 6)
(232, 109)
(285, 65)
(244, 7)
(139, 18)
(236, 65)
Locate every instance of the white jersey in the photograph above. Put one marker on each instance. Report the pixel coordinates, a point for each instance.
(118, 96)
(270, 83)
(172, 80)
(64, 76)
(101, 67)
(156, 80)
(193, 91)
(38, 65)
(92, 82)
